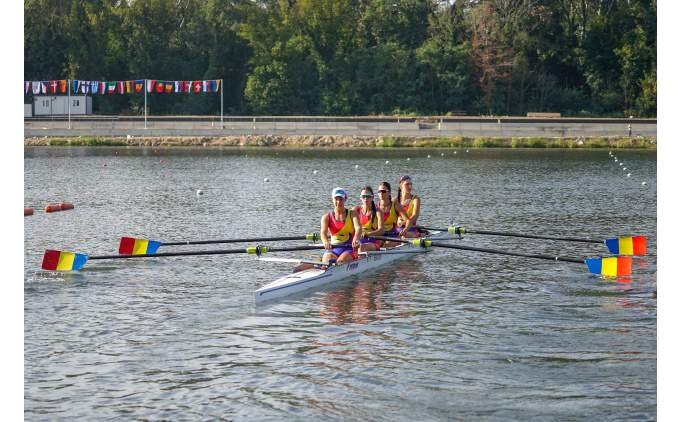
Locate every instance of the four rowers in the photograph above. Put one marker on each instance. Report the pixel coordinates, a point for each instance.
(350, 227)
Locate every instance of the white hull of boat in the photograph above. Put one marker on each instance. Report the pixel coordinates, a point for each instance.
(315, 277)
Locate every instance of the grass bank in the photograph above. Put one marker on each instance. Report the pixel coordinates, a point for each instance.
(347, 142)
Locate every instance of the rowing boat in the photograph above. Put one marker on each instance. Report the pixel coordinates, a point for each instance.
(322, 275)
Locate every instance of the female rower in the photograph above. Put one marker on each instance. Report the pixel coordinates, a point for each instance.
(410, 204)
(344, 226)
(390, 212)
(371, 220)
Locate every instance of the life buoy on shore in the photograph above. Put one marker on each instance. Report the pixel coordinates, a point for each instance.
(63, 206)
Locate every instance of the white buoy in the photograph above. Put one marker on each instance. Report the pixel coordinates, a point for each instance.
(442, 154)
(266, 180)
(467, 150)
(625, 168)
(454, 152)
(386, 162)
(616, 160)
(357, 166)
(200, 192)
(428, 156)
(620, 164)
(643, 183)
(408, 158)
(629, 174)
(314, 171)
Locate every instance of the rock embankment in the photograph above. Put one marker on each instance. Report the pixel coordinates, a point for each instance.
(332, 141)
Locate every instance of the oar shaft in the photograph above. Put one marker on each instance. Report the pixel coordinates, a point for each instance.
(523, 235)
(486, 250)
(214, 252)
(256, 239)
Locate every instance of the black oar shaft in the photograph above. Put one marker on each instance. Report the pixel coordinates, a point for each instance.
(485, 250)
(214, 252)
(256, 239)
(523, 235)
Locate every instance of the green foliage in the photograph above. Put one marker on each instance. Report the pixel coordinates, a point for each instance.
(409, 57)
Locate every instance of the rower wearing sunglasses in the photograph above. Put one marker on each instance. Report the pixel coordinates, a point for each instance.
(345, 230)
(371, 220)
(410, 204)
(391, 212)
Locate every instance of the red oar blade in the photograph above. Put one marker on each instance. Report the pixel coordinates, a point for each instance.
(614, 266)
(133, 246)
(627, 245)
(63, 261)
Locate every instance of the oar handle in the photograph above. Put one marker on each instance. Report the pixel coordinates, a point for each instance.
(428, 243)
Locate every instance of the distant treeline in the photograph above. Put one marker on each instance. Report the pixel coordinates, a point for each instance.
(357, 57)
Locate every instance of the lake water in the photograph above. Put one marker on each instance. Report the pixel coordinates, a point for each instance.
(452, 335)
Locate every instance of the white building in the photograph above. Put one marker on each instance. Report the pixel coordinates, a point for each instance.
(57, 105)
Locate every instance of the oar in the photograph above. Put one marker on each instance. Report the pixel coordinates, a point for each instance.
(608, 266)
(135, 246)
(622, 245)
(55, 260)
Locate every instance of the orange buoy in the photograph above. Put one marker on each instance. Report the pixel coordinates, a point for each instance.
(28, 211)
(58, 207)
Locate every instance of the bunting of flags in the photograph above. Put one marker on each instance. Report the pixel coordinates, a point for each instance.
(122, 87)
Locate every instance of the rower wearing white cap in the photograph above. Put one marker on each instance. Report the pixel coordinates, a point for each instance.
(344, 226)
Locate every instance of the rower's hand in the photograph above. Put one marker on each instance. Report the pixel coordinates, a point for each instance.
(327, 244)
(356, 244)
(403, 232)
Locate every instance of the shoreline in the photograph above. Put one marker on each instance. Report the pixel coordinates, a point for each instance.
(339, 141)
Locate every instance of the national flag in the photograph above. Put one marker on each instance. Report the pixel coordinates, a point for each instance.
(62, 86)
(102, 88)
(216, 85)
(75, 85)
(120, 87)
(63, 261)
(186, 86)
(627, 245)
(177, 87)
(27, 87)
(43, 87)
(35, 87)
(168, 87)
(94, 87)
(204, 86)
(111, 87)
(53, 87)
(139, 86)
(132, 246)
(611, 267)
(85, 87)
(150, 85)
(159, 87)
(196, 87)
(129, 87)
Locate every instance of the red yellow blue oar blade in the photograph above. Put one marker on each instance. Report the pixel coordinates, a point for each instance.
(627, 245)
(133, 246)
(614, 266)
(63, 261)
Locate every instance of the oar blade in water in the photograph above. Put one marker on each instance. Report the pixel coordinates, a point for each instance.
(133, 246)
(614, 266)
(54, 260)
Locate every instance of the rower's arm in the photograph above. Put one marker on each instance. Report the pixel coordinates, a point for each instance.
(402, 214)
(324, 229)
(417, 206)
(380, 225)
(357, 228)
